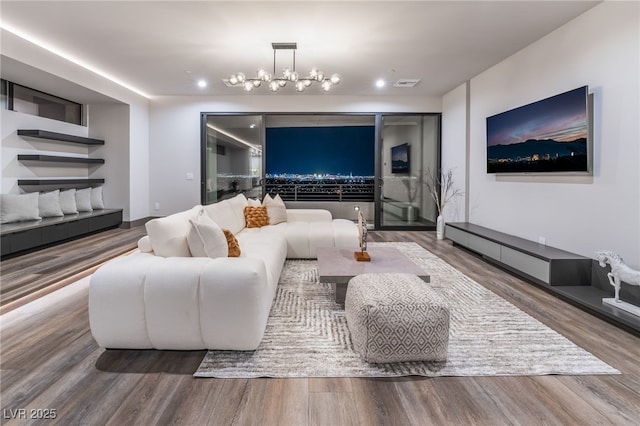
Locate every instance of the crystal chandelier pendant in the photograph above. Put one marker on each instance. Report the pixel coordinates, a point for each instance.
(289, 74)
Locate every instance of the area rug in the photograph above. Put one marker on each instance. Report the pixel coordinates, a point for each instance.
(307, 334)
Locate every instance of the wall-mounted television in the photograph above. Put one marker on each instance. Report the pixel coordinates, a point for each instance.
(400, 158)
(547, 136)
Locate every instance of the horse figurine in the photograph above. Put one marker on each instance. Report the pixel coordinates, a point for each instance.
(619, 271)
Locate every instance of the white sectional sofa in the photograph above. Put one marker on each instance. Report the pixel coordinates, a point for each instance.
(160, 297)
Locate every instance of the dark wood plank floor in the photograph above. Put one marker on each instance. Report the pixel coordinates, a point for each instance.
(30, 273)
(50, 361)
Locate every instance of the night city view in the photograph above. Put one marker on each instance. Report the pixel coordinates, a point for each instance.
(321, 163)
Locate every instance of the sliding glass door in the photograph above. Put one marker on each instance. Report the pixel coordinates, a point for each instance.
(231, 157)
(408, 149)
(375, 162)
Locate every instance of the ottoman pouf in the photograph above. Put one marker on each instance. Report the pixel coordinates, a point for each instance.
(396, 318)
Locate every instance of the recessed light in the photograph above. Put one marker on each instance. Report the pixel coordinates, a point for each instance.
(380, 83)
(252, 126)
(202, 83)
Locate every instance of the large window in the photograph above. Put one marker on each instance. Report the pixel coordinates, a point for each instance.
(321, 163)
(375, 162)
(30, 101)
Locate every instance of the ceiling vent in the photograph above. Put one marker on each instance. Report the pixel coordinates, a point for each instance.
(406, 82)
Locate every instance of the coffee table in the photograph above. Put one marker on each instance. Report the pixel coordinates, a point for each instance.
(337, 266)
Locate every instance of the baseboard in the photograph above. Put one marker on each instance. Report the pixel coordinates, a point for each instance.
(135, 223)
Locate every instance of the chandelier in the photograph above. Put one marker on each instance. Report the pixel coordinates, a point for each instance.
(289, 75)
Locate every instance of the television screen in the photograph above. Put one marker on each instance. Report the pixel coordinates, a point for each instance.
(550, 135)
(400, 158)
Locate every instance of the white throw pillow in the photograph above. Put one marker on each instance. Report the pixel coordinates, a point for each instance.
(49, 204)
(19, 207)
(206, 239)
(254, 202)
(96, 198)
(238, 203)
(222, 213)
(83, 200)
(67, 201)
(276, 210)
(168, 235)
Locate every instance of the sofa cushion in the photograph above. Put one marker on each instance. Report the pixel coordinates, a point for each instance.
(205, 238)
(144, 245)
(228, 214)
(308, 215)
(49, 204)
(19, 207)
(233, 246)
(276, 209)
(83, 200)
(238, 203)
(256, 217)
(270, 247)
(168, 235)
(67, 201)
(221, 213)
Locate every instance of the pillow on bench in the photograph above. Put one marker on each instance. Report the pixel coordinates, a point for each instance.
(19, 207)
(67, 201)
(49, 204)
(97, 203)
(83, 200)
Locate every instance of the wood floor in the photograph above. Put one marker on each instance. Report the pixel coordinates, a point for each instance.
(50, 361)
(35, 272)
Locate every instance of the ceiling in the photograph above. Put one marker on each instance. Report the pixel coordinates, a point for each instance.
(162, 48)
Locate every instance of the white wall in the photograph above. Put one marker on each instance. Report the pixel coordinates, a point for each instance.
(454, 149)
(12, 145)
(115, 151)
(136, 190)
(174, 133)
(601, 49)
(138, 166)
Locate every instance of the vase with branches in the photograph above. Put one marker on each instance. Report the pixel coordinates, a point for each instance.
(442, 190)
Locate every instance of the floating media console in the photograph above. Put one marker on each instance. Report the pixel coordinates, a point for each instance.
(543, 264)
(575, 278)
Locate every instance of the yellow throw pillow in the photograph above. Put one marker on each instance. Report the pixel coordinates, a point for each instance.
(232, 242)
(256, 217)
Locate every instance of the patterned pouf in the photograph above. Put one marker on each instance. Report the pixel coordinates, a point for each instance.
(396, 318)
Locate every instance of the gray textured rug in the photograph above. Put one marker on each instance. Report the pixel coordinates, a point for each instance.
(307, 334)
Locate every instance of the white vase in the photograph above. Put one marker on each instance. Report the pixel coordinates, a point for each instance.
(440, 228)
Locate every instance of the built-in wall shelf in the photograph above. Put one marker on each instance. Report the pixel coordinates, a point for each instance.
(45, 134)
(59, 159)
(48, 182)
(577, 279)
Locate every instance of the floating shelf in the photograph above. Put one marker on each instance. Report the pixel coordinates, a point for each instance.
(59, 159)
(45, 134)
(43, 182)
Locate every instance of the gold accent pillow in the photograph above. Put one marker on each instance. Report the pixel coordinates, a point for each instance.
(256, 217)
(232, 242)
